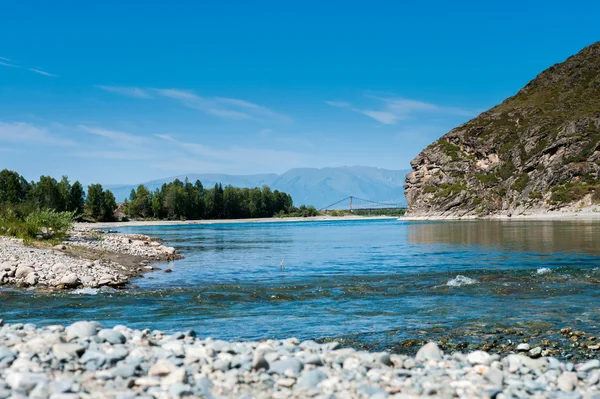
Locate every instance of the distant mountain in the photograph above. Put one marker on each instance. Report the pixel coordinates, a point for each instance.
(311, 186)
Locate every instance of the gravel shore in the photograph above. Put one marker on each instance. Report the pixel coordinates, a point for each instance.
(89, 258)
(85, 360)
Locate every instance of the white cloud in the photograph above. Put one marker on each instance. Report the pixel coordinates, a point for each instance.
(394, 109)
(6, 64)
(126, 91)
(41, 72)
(114, 155)
(238, 156)
(120, 138)
(226, 108)
(21, 132)
(36, 70)
(387, 118)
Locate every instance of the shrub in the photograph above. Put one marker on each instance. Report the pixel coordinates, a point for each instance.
(49, 223)
(520, 184)
(45, 223)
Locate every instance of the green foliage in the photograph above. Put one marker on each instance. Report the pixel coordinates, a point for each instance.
(45, 224)
(447, 189)
(13, 187)
(49, 223)
(487, 179)
(379, 212)
(302, 212)
(176, 201)
(452, 150)
(506, 170)
(536, 195)
(140, 203)
(430, 189)
(571, 192)
(521, 183)
(185, 201)
(100, 204)
(337, 213)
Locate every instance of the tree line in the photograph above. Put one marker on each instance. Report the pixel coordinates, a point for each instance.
(176, 200)
(23, 197)
(183, 200)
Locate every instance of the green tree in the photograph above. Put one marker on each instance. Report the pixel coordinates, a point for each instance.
(95, 201)
(64, 191)
(141, 203)
(109, 207)
(158, 204)
(13, 187)
(46, 195)
(76, 200)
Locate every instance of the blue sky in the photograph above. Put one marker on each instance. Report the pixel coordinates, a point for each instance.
(124, 92)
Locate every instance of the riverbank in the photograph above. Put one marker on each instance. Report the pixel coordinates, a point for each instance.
(591, 213)
(88, 258)
(228, 221)
(85, 360)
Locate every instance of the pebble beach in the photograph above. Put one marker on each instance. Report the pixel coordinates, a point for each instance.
(85, 360)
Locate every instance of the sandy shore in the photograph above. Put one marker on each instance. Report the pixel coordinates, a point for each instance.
(230, 221)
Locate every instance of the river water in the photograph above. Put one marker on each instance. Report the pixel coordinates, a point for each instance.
(376, 282)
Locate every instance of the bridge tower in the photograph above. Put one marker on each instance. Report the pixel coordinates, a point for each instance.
(351, 197)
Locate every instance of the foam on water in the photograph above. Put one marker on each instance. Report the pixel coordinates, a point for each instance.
(543, 270)
(461, 280)
(86, 291)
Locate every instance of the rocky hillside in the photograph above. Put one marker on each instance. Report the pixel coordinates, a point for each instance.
(539, 150)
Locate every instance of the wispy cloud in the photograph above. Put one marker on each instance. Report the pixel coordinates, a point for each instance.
(237, 155)
(339, 104)
(394, 109)
(11, 64)
(41, 72)
(21, 132)
(6, 64)
(120, 138)
(222, 107)
(114, 155)
(127, 91)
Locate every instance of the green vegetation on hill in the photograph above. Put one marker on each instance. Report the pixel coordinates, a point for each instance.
(537, 149)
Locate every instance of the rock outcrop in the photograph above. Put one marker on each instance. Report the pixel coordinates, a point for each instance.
(537, 151)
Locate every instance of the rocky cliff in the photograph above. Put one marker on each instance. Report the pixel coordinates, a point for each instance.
(539, 150)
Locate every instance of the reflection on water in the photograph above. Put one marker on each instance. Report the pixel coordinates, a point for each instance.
(377, 280)
(526, 236)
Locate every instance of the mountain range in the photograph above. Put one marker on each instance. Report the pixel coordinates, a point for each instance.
(309, 186)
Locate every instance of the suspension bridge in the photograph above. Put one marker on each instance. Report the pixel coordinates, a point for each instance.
(353, 204)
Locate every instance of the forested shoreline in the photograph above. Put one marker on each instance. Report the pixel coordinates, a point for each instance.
(178, 200)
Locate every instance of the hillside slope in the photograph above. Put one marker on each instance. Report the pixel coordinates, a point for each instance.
(537, 151)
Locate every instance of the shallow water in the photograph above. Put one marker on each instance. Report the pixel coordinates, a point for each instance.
(374, 281)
